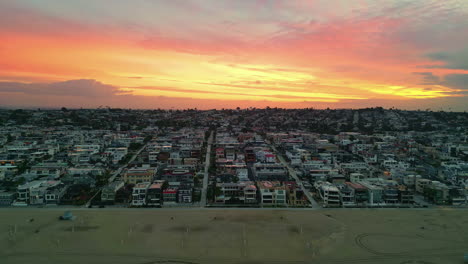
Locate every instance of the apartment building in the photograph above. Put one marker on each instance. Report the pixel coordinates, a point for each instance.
(421, 184)
(139, 174)
(40, 192)
(270, 172)
(294, 194)
(139, 194)
(170, 195)
(360, 192)
(375, 193)
(49, 170)
(177, 175)
(7, 198)
(7, 168)
(109, 191)
(405, 196)
(347, 195)
(237, 193)
(154, 194)
(436, 192)
(272, 193)
(329, 193)
(356, 177)
(184, 195)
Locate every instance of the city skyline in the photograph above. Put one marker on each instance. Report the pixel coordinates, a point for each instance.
(228, 54)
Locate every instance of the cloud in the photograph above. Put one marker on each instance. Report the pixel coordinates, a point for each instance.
(455, 81)
(209, 44)
(233, 49)
(81, 88)
(452, 60)
(307, 97)
(28, 95)
(428, 78)
(459, 81)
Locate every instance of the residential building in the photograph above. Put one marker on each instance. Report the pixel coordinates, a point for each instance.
(270, 172)
(436, 192)
(24, 191)
(139, 174)
(236, 193)
(7, 198)
(406, 196)
(347, 195)
(295, 195)
(375, 193)
(41, 192)
(184, 195)
(421, 184)
(272, 193)
(109, 191)
(7, 168)
(139, 194)
(177, 175)
(361, 195)
(329, 193)
(356, 177)
(170, 195)
(154, 194)
(49, 170)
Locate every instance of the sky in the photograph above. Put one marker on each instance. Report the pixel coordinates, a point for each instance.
(408, 54)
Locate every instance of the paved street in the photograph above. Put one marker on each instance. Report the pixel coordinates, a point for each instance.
(117, 173)
(292, 172)
(206, 174)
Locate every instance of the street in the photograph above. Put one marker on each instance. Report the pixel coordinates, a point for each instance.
(206, 174)
(116, 173)
(292, 172)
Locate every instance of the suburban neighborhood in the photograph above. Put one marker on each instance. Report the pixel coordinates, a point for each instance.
(259, 158)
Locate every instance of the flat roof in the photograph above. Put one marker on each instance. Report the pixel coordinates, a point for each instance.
(155, 186)
(355, 185)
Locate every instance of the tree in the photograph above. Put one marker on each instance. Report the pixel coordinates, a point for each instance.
(148, 138)
(196, 181)
(217, 191)
(135, 146)
(23, 167)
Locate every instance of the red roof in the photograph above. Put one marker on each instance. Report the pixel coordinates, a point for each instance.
(355, 185)
(170, 191)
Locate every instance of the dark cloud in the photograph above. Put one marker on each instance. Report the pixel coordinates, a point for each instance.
(428, 78)
(82, 88)
(455, 81)
(452, 60)
(458, 81)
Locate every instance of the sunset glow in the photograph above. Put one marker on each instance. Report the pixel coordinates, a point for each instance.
(214, 54)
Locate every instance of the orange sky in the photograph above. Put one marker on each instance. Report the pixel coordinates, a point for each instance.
(213, 54)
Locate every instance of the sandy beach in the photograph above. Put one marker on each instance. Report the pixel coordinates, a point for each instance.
(234, 236)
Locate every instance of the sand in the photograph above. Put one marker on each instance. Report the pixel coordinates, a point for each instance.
(401, 236)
